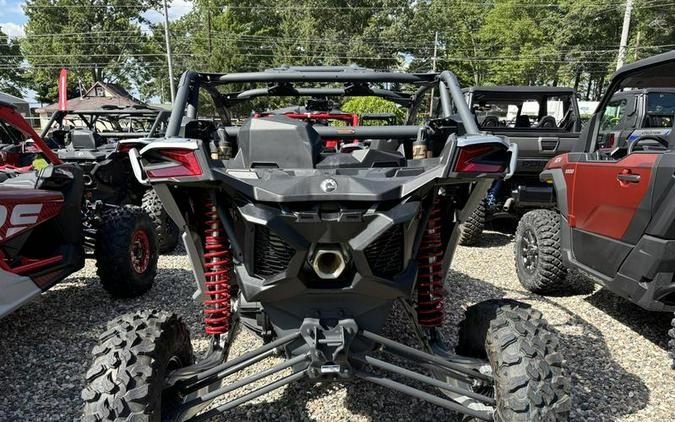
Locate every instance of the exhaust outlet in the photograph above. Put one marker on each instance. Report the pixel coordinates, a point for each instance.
(328, 263)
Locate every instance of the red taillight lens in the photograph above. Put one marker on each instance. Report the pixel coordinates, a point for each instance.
(126, 147)
(482, 158)
(611, 141)
(183, 163)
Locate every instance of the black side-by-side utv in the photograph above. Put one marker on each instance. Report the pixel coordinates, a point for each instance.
(311, 249)
(98, 141)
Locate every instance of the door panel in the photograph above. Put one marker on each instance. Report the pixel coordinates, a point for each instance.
(606, 199)
(607, 194)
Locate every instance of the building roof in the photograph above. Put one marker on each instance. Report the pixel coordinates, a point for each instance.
(11, 99)
(100, 95)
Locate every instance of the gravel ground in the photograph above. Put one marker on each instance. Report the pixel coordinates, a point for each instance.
(615, 352)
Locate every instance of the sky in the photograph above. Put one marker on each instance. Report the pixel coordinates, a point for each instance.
(12, 18)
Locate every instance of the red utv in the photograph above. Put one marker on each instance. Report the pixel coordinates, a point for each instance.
(615, 214)
(47, 227)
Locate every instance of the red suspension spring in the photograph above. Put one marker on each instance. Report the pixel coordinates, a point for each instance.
(217, 270)
(430, 272)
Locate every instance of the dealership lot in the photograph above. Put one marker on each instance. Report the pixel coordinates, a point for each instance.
(615, 352)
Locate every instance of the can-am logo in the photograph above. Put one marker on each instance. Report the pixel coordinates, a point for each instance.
(16, 218)
(329, 185)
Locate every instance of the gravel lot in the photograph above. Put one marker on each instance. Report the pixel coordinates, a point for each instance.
(615, 352)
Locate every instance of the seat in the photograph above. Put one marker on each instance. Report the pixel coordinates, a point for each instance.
(82, 139)
(522, 121)
(547, 122)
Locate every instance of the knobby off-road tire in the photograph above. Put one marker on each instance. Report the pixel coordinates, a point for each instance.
(126, 251)
(541, 270)
(530, 383)
(671, 343)
(166, 230)
(471, 230)
(130, 363)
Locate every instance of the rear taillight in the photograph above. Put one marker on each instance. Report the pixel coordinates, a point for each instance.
(611, 140)
(482, 158)
(182, 162)
(126, 147)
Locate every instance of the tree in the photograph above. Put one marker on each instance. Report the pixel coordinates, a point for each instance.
(520, 44)
(11, 74)
(365, 105)
(97, 40)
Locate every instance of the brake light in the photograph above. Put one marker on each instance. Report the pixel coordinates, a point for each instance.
(126, 147)
(183, 162)
(481, 158)
(611, 140)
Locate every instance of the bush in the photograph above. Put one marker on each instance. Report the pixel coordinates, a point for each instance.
(366, 105)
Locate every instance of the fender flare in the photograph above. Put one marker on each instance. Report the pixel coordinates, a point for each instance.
(556, 177)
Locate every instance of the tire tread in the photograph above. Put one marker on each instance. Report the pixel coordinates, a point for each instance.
(125, 380)
(551, 272)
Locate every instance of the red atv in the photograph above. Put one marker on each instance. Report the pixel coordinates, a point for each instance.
(46, 227)
(615, 214)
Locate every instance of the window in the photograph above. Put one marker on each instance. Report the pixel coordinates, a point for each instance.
(660, 109)
(613, 115)
(523, 110)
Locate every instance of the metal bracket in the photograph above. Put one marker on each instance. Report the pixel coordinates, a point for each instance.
(329, 348)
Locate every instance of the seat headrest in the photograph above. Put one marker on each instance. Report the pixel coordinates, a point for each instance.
(82, 139)
(523, 121)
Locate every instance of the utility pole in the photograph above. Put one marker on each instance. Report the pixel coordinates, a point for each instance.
(433, 66)
(169, 58)
(624, 34)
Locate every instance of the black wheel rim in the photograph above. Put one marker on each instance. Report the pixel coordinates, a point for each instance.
(529, 251)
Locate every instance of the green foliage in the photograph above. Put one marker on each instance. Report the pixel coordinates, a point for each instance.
(11, 75)
(364, 105)
(558, 42)
(96, 40)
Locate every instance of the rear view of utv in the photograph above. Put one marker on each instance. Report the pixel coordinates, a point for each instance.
(97, 141)
(310, 250)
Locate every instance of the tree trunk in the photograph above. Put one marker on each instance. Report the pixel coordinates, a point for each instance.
(598, 88)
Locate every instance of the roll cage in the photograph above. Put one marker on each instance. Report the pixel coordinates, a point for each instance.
(355, 81)
(113, 115)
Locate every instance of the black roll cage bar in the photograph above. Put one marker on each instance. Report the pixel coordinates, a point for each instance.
(356, 80)
(90, 117)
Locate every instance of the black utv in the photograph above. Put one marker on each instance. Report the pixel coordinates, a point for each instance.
(309, 249)
(543, 122)
(98, 142)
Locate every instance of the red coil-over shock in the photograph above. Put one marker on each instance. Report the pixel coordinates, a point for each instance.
(217, 270)
(430, 272)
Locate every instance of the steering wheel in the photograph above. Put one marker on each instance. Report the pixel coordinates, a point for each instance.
(658, 139)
